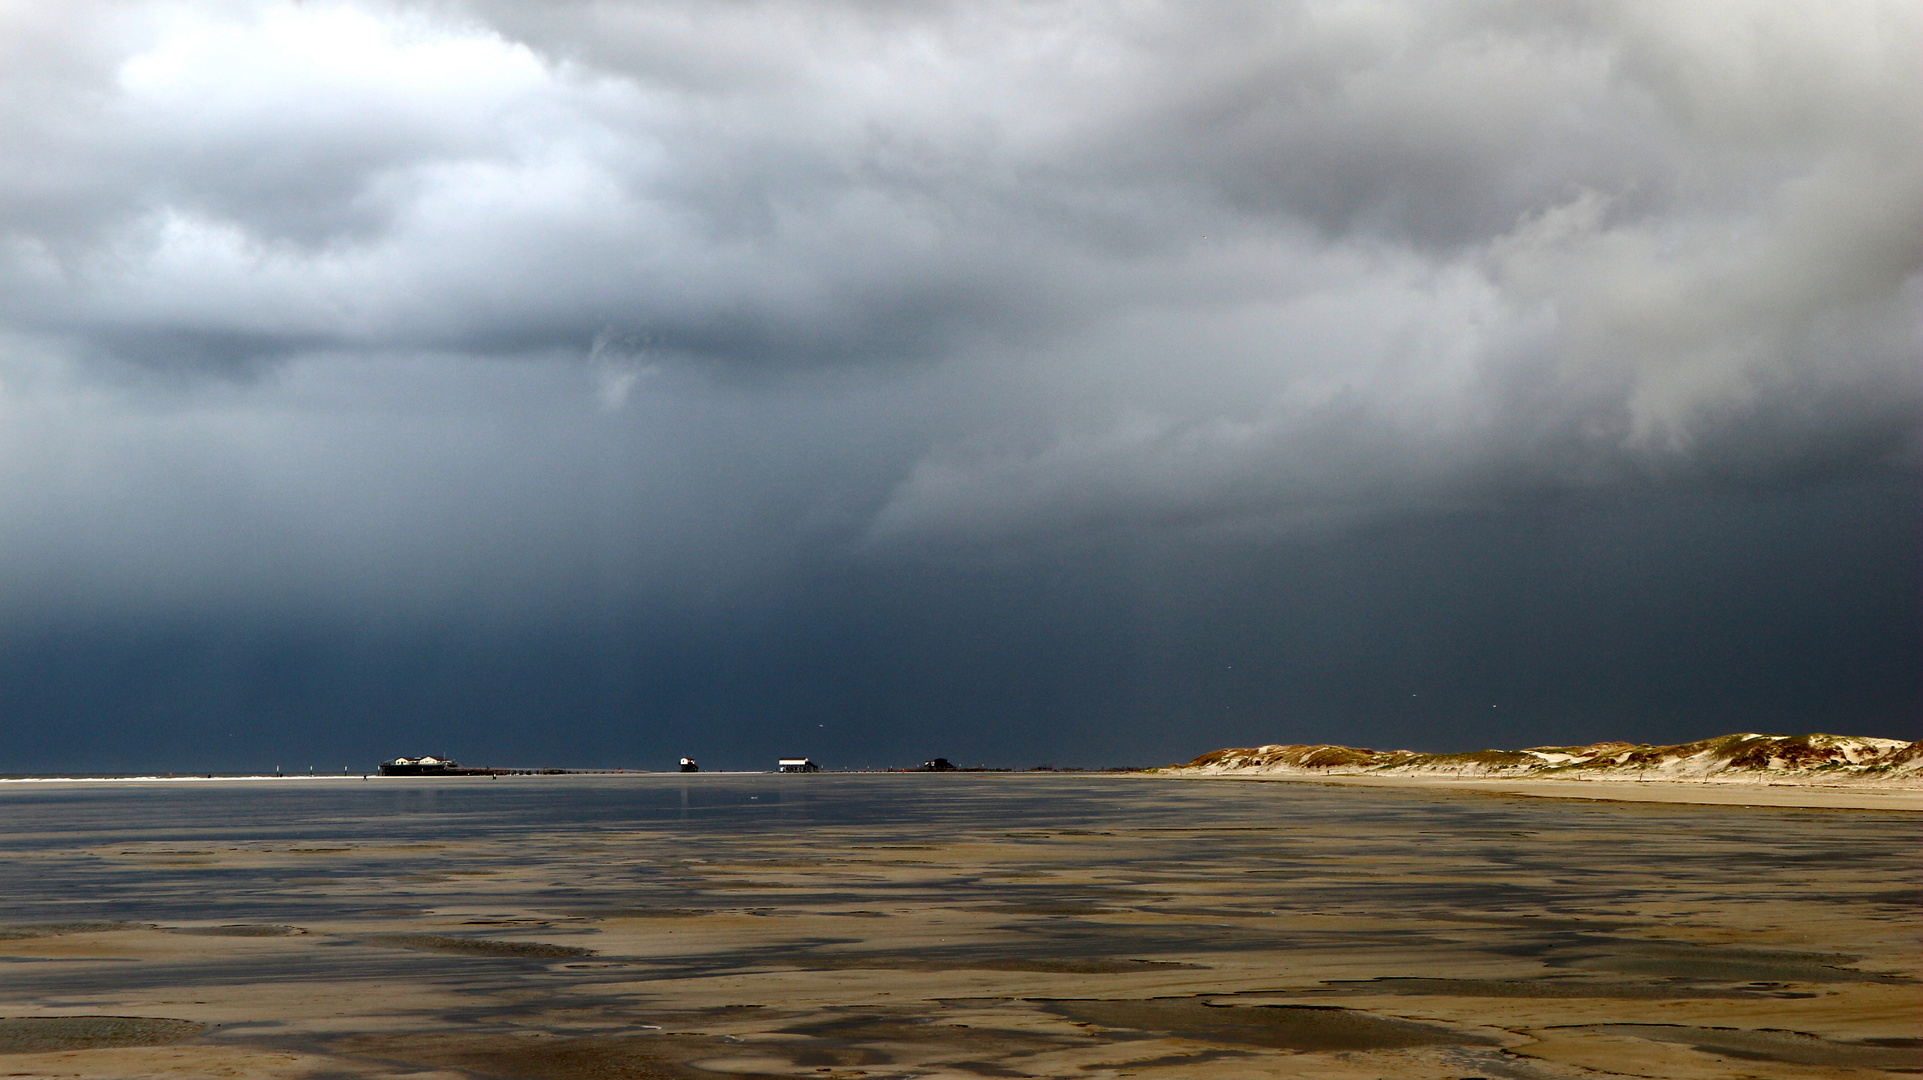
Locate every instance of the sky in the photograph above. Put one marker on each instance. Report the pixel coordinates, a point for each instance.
(1055, 382)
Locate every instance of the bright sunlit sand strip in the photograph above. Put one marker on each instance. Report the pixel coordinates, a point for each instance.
(1845, 772)
(1827, 796)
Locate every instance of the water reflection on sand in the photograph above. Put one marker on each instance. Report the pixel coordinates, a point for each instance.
(944, 925)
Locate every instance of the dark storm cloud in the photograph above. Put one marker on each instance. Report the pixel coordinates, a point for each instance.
(1281, 248)
(489, 312)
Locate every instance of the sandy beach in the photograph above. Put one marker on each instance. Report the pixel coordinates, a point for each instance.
(950, 926)
(1831, 796)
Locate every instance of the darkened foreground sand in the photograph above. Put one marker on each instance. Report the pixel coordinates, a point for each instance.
(947, 926)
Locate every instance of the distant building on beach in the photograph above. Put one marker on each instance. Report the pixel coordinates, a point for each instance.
(688, 765)
(940, 764)
(447, 766)
(797, 764)
(419, 766)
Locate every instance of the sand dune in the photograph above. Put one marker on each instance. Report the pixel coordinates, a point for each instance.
(1742, 758)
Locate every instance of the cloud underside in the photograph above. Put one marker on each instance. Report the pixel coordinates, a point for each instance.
(300, 289)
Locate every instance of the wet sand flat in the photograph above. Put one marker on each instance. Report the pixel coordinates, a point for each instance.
(946, 926)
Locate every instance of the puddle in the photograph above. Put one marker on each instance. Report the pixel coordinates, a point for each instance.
(1053, 909)
(533, 950)
(1046, 965)
(52, 1034)
(642, 1057)
(889, 1026)
(1541, 988)
(238, 930)
(1770, 1044)
(1168, 1061)
(1281, 1027)
(1709, 963)
(20, 931)
(635, 912)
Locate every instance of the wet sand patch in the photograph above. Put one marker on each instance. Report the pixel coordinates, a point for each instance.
(27, 931)
(1280, 1027)
(1179, 1061)
(1542, 988)
(1054, 909)
(1709, 963)
(1053, 965)
(878, 1025)
(540, 1057)
(634, 912)
(1774, 1044)
(441, 943)
(49, 1034)
(238, 930)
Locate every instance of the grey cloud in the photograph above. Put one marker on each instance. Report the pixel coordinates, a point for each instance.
(1180, 264)
(946, 377)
